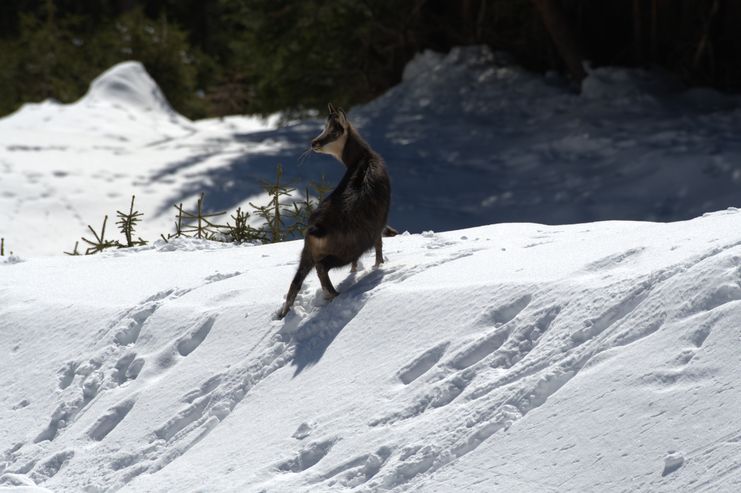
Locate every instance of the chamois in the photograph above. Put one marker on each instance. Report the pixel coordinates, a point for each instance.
(352, 219)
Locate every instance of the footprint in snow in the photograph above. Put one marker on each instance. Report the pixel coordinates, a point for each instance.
(191, 342)
(307, 457)
(421, 364)
(20, 405)
(110, 420)
(358, 470)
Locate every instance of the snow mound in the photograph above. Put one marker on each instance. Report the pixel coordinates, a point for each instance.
(129, 85)
(422, 64)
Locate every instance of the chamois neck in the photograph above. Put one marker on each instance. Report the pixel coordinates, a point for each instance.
(356, 149)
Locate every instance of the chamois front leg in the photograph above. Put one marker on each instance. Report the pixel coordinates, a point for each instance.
(379, 252)
(304, 267)
(354, 266)
(329, 290)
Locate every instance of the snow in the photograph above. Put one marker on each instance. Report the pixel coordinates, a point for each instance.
(580, 357)
(589, 355)
(470, 139)
(128, 85)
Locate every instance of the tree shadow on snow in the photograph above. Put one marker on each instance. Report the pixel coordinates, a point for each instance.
(313, 338)
(240, 176)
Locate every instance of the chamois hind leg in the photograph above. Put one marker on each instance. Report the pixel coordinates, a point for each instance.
(304, 267)
(379, 252)
(354, 266)
(323, 273)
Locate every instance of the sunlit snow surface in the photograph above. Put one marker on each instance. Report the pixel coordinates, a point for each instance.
(598, 356)
(517, 357)
(469, 138)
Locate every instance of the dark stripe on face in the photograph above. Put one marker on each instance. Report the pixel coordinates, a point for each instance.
(332, 132)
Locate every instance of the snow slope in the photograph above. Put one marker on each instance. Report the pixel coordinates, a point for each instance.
(469, 137)
(511, 357)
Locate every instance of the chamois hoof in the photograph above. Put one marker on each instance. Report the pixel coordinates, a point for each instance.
(280, 314)
(329, 296)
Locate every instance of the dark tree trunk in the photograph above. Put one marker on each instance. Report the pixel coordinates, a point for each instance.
(561, 31)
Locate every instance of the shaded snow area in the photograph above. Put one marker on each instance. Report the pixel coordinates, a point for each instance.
(470, 139)
(513, 357)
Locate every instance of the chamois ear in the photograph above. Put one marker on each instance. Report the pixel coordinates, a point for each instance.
(331, 109)
(342, 117)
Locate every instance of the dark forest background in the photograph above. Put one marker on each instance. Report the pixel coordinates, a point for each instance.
(221, 57)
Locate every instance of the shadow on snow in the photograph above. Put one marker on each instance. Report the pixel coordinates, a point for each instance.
(313, 338)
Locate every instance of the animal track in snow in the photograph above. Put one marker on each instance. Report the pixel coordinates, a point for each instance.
(684, 357)
(489, 343)
(481, 348)
(614, 260)
(21, 404)
(59, 419)
(190, 415)
(612, 315)
(51, 466)
(127, 368)
(420, 365)
(131, 326)
(523, 339)
(106, 423)
(438, 395)
(94, 381)
(507, 312)
(307, 457)
(700, 335)
(127, 327)
(218, 276)
(357, 471)
(411, 462)
(160, 295)
(634, 334)
(504, 346)
(208, 405)
(717, 297)
(67, 374)
(206, 387)
(189, 343)
(503, 417)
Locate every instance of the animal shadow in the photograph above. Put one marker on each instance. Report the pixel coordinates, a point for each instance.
(316, 335)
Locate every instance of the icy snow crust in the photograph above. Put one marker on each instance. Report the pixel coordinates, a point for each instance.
(469, 138)
(513, 357)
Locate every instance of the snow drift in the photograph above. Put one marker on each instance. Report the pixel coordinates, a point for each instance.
(128, 85)
(514, 357)
(124, 104)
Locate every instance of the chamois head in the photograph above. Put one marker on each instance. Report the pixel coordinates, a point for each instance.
(333, 137)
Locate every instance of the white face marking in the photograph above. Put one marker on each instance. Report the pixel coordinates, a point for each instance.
(335, 147)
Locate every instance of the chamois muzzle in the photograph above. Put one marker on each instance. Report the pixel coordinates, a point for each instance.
(317, 144)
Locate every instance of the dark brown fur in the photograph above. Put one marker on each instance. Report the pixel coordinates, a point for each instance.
(352, 219)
